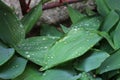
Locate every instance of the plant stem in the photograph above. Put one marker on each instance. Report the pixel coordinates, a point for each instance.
(57, 4)
(25, 6)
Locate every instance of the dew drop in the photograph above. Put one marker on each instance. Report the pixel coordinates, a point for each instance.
(45, 47)
(43, 38)
(28, 56)
(44, 74)
(26, 52)
(21, 26)
(51, 57)
(87, 40)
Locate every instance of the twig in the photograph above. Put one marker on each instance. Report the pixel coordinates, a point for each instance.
(25, 6)
(57, 4)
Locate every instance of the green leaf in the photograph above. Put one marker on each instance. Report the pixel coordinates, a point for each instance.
(30, 19)
(113, 4)
(118, 78)
(108, 38)
(13, 68)
(11, 30)
(5, 54)
(84, 76)
(102, 8)
(64, 28)
(105, 46)
(96, 57)
(89, 23)
(48, 30)
(75, 15)
(58, 74)
(116, 37)
(111, 19)
(111, 63)
(72, 45)
(30, 73)
(89, 12)
(35, 48)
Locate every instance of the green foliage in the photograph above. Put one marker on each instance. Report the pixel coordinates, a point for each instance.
(31, 18)
(35, 48)
(87, 50)
(5, 54)
(13, 68)
(70, 46)
(30, 73)
(96, 57)
(11, 29)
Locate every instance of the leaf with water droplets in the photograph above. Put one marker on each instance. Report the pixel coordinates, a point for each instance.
(11, 30)
(89, 23)
(35, 48)
(5, 54)
(74, 44)
(111, 63)
(96, 57)
(13, 68)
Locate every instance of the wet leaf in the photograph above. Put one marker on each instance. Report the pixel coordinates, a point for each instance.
(35, 48)
(89, 23)
(72, 45)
